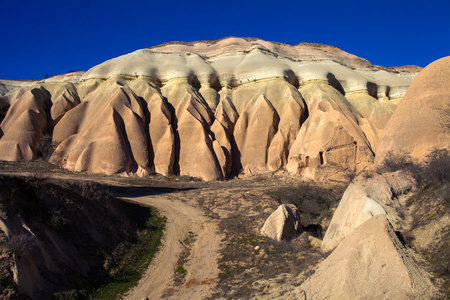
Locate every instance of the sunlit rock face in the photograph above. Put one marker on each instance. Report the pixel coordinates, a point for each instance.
(212, 109)
(421, 122)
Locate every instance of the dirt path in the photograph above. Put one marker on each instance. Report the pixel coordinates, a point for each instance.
(202, 269)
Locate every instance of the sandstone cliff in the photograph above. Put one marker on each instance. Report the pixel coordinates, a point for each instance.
(210, 109)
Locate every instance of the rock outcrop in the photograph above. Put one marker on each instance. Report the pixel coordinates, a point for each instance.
(7, 86)
(366, 197)
(23, 125)
(105, 133)
(214, 109)
(343, 143)
(372, 264)
(415, 127)
(282, 224)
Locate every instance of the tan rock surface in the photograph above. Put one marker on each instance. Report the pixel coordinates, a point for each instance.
(162, 143)
(8, 86)
(365, 198)
(64, 98)
(282, 224)
(377, 111)
(415, 126)
(214, 109)
(23, 125)
(105, 133)
(253, 132)
(330, 135)
(195, 154)
(371, 263)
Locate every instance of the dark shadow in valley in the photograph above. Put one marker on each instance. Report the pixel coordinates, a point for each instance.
(139, 191)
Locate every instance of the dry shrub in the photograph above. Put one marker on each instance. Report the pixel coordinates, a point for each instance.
(22, 244)
(431, 202)
(444, 112)
(435, 168)
(438, 165)
(394, 162)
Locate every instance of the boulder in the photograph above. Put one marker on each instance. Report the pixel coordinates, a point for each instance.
(366, 197)
(282, 224)
(370, 263)
(315, 242)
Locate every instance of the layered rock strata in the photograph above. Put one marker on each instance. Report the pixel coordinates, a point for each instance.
(214, 109)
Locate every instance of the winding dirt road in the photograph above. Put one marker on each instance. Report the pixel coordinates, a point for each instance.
(202, 269)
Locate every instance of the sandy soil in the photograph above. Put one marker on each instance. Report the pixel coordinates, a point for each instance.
(202, 270)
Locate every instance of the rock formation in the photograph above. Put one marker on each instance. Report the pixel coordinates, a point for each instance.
(23, 125)
(105, 133)
(371, 264)
(415, 127)
(366, 197)
(212, 109)
(282, 224)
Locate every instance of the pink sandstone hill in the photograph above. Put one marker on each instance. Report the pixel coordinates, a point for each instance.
(416, 126)
(209, 109)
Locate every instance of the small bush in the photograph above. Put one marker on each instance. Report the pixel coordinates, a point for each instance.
(70, 295)
(394, 162)
(444, 116)
(435, 168)
(22, 244)
(438, 165)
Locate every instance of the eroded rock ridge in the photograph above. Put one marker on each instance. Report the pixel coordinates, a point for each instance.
(210, 109)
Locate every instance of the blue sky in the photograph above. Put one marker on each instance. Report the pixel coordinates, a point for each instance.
(54, 37)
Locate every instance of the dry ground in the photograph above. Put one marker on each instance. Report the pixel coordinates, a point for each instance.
(224, 219)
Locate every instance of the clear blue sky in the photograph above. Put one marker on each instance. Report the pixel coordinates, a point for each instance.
(54, 37)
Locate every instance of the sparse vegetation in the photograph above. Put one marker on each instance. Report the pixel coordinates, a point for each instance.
(313, 201)
(434, 169)
(22, 244)
(113, 240)
(180, 271)
(444, 116)
(248, 257)
(128, 262)
(241, 264)
(428, 207)
(394, 162)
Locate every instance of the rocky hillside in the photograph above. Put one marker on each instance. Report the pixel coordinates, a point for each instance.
(65, 239)
(246, 106)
